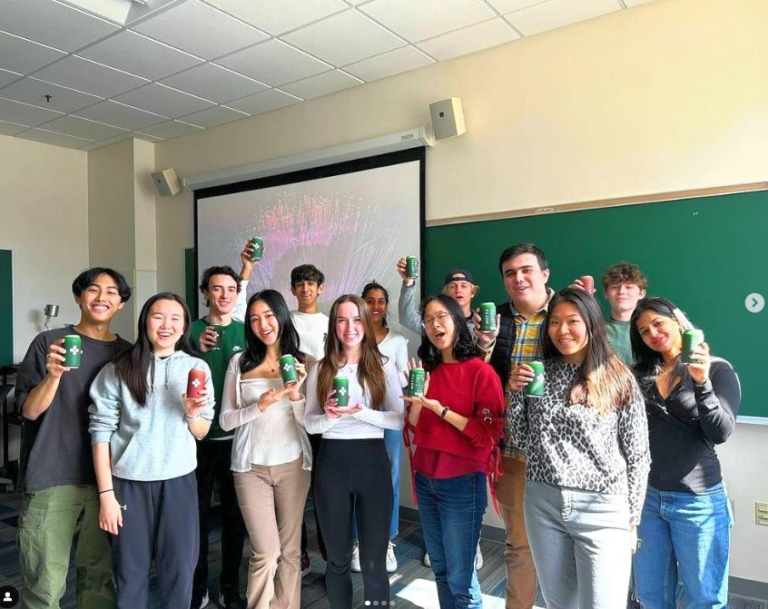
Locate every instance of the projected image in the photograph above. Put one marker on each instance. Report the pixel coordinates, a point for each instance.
(352, 226)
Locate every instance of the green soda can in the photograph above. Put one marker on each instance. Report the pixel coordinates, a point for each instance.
(219, 335)
(487, 317)
(341, 390)
(411, 267)
(416, 382)
(691, 340)
(74, 346)
(288, 370)
(258, 248)
(535, 388)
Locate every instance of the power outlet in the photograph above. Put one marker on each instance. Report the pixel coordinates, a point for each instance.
(761, 513)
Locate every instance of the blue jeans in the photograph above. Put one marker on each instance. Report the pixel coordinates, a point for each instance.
(451, 513)
(393, 442)
(685, 536)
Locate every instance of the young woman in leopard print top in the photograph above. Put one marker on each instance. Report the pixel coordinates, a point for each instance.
(587, 460)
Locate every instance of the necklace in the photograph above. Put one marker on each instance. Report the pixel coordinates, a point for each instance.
(271, 368)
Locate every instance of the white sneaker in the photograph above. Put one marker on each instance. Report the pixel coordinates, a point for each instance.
(426, 562)
(355, 564)
(391, 558)
(478, 558)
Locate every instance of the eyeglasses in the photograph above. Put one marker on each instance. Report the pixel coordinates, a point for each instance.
(429, 322)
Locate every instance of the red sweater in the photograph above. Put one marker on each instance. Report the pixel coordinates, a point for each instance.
(471, 389)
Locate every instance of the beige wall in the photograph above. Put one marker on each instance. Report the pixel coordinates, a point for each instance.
(44, 221)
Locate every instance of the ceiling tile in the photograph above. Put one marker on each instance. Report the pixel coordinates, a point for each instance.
(200, 29)
(80, 127)
(7, 128)
(389, 64)
(469, 39)
(558, 13)
(344, 38)
(275, 63)
(23, 114)
(120, 115)
(33, 91)
(510, 6)
(164, 100)
(278, 16)
(137, 54)
(264, 102)
(25, 56)
(91, 77)
(322, 84)
(146, 137)
(631, 3)
(215, 83)
(214, 116)
(120, 11)
(7, 78)
(170, 130)
(53, 23)
(416, 20)
(57, 139)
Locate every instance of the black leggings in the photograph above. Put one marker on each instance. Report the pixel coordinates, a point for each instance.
(354, 475)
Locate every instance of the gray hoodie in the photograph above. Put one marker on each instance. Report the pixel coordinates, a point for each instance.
(151, 442)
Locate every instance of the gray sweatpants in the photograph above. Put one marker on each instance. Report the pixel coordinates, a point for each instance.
(580, 545)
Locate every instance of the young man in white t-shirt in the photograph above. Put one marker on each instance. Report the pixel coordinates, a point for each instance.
(307, 283)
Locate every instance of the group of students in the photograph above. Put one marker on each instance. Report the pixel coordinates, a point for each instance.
(615, 458)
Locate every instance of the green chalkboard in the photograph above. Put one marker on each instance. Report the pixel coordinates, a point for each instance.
(190, 281)
(705, 254)
(6, 308)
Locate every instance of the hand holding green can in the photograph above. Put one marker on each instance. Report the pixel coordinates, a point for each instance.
(288, 370)
(691, 340)
(535, 388)
(73, 345)
(341, 390)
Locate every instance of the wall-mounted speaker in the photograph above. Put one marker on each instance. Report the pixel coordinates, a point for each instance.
(166, 182)
(447, 118)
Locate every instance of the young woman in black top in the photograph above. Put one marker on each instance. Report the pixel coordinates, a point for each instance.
(686, 519)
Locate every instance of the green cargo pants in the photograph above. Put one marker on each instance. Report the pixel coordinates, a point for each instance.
(48, 521)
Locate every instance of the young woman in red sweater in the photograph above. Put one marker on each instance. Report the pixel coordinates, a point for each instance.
(456, 426)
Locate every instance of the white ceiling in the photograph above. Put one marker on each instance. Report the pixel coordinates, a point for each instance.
(86, 73)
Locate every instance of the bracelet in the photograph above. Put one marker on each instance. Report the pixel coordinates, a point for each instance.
(445, 412)
(197, 416)
(106, 491)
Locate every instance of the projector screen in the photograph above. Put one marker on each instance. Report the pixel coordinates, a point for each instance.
(352, 220)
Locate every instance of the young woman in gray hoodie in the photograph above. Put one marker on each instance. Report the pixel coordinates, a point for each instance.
(143, 430)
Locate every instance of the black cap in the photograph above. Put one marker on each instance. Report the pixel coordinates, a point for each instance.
(458, 275)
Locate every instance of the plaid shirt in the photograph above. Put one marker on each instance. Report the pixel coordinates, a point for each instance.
(527, 348)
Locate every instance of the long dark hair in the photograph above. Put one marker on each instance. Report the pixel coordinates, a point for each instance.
(373, 285)
(604, 382)
(133, 365)
(463, 345)
(370, 371)
(255, 350)
(647, 361)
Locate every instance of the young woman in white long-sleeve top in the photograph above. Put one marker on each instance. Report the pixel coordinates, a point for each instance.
(271, 456)
(353, 470)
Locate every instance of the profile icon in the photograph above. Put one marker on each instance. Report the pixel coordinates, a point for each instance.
(9, 597)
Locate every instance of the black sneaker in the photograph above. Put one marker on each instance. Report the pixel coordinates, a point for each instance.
(231, 601)
(199, 600)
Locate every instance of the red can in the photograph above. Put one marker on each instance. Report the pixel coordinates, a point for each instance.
(195, 383)
(589, 283)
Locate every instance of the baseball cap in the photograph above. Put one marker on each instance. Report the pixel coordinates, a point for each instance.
(458, 275)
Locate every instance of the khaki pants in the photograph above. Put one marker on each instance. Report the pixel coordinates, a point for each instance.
(272, 502)
(521, 573)
(48, 520)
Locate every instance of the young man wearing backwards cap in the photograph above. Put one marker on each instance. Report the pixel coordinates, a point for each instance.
(459, 285)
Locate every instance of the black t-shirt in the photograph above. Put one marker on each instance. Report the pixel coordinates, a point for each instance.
(56, 447)
(684, 429)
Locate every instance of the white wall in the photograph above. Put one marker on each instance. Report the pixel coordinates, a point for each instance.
(44, 221)
(667, 96)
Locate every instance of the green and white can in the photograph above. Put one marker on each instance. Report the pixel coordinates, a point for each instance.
(416, 382)
(535, 388)
(74, 347)
(288, 370)
(411, 267)
(487, 317)
(691, 340)
(258, 248)
(341, 390)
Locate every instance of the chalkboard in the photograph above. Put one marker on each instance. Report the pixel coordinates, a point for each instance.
(705, 254)
(6, 308)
